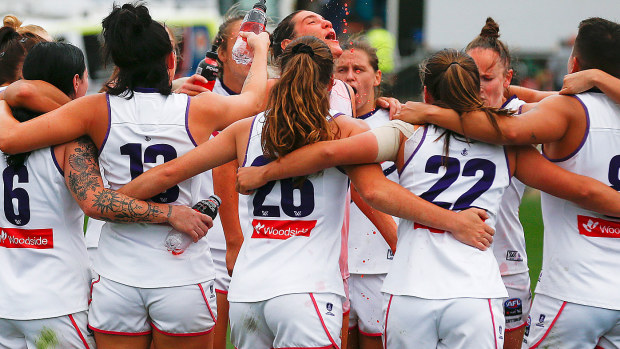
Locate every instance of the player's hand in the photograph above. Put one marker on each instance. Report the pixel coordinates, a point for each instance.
(232, 252)
(191, 86)
(250, 178)
(471, 229)
(392, 104)
(578, 82)
(190, 222)
(257, 42)
(413, 113)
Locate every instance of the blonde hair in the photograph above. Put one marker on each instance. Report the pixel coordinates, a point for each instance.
(14, 22)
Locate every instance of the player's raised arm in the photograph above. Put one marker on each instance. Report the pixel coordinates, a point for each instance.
(584, 80)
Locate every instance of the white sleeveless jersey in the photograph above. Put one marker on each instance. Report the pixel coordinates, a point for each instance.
(581, 247)
(368, 251)
(430, 263)
(509, 240)
(340, 98)
(215, 237)
(43, 261)
(146, 131)
(295, 241)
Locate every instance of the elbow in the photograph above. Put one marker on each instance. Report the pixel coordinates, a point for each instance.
(6, 145)
(510, 137)
(370, 194)
(24, 93)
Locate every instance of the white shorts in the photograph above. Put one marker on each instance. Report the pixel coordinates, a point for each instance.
(412, 322)
(66, 331)
(222, 279)
(300, 320)
(366, 303)
(125, 310)
(605, 343)
(554, 323)
(517, 305)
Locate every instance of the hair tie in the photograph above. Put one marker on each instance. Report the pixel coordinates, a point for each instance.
(303, 48)
(455, 62)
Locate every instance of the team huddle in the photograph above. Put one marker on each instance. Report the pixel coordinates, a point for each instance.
(347, 219)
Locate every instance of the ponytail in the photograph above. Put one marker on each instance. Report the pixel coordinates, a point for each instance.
(298, 104)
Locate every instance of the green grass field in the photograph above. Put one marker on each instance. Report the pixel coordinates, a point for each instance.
(531, 219)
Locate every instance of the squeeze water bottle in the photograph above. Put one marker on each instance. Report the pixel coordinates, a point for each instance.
(176, 242)
(254, 21)
(208, 68)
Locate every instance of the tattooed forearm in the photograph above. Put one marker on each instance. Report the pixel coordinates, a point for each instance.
(83, 179)
(118, 208)
(81, 183)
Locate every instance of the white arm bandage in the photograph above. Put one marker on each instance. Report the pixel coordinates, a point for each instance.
(388, 138)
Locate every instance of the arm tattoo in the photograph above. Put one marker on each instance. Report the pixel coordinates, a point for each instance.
(84, 177)
(116, 207)
(83, 168)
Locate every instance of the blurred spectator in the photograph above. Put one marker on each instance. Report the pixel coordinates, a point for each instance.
(381, 39)
(557, 62)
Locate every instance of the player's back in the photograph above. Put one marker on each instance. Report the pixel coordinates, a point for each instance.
(430, 263)
(145, 131)
(581, 247)
(295, 241)
(45, 269)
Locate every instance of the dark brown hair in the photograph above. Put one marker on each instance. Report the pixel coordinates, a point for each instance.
(13, 50)
(598, 45)
(138, 46)
(489, 39)
(284, 30)
(298, 104)
(451, 78)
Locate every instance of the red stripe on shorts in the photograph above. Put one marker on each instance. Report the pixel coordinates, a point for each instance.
(550, 327)
(387, 313)
(316, 307)
(78, 331)
(207, 303)
(493, 322)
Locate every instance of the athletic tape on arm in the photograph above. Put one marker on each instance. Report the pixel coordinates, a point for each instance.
(388, 138)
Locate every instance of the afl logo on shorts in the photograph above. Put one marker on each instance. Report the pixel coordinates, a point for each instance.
(329, 307)
(513, 307)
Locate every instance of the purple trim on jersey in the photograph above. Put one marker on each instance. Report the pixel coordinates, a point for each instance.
(229, 91)
(507, 164)
(335, 116)
(583, 140)
(520, 111)
(369, 114)
(62, 173)
(508, 101)
(191, 138)
(415, 151)
(245, 159)
(146, 90)
(107, 133)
